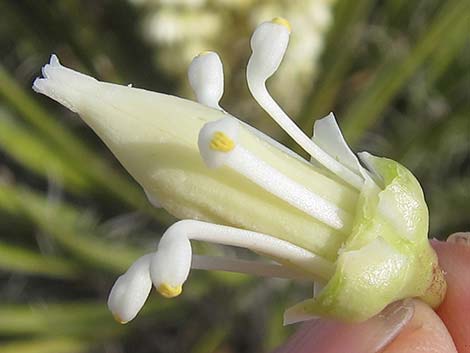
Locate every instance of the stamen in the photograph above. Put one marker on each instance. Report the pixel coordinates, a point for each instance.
(169, 291)
(256, 268)
(213, 136)
(206, 77)
(130, 291)
(270, 179)
(171, 263)
(221, 142)
(283, 22)
(268, 44)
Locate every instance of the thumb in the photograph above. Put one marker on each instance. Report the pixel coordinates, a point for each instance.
(409, 326)
(424, 333)
(454, 258)
(328, 336)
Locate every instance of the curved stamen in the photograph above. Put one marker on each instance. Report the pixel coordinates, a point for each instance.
(171, 263)
(206, 77)
(268, 44)
(217, 145)
(130, 291)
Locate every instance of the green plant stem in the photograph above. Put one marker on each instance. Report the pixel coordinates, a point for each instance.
(19, 259)
(211, 340)
(337, 59)
(67, 226)
(367, 108)
(50, 345)
(27, 148)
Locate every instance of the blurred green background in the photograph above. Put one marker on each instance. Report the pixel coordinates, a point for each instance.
(396, 73)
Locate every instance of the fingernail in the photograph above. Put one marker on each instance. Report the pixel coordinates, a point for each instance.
(373, 335)
(462, 238)
(390, 322)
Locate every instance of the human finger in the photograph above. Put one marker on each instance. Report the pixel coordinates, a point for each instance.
(454, 258)
(328, 336)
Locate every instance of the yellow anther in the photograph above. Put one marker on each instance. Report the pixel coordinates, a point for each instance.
(283, 22)
(205, 52)
(119, 320)
(221, 142)
(168, 291)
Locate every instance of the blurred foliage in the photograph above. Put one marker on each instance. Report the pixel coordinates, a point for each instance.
(396, 74)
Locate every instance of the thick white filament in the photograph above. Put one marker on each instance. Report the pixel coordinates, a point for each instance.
(268, 44)
(305, 261)
(288, 190)
(261, 95)
(267, 177)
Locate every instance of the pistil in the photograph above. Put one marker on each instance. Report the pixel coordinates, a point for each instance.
(268, 44)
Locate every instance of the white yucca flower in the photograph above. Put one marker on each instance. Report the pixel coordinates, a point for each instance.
(359, 233)
(170, 26)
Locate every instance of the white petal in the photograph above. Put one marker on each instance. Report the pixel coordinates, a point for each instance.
(327, 135)
(152, 199)
(63, 84)
(368, 161)
(295, 314)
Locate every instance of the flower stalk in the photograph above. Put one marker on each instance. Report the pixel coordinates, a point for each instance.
(360, 233)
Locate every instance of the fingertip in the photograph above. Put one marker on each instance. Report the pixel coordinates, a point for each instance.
(424, 333)
(328, 336)
(454, 259)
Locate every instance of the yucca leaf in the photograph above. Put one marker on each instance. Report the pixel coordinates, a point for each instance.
(370, 104)
(211, 339)
(349, 17)
(19, 259)
(49, 345)
(25, 146)
(67, 226)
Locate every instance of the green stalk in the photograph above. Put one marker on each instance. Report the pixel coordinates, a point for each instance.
(27, 148)
(276, 334)
(68, 227)
(441, 59)
(211, 339)
(337, 59)
(76, 319)
(19, 259)
(368, 107)
(50, 345)
(55, 319)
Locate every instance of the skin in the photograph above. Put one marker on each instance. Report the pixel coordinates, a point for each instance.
(406, 327)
